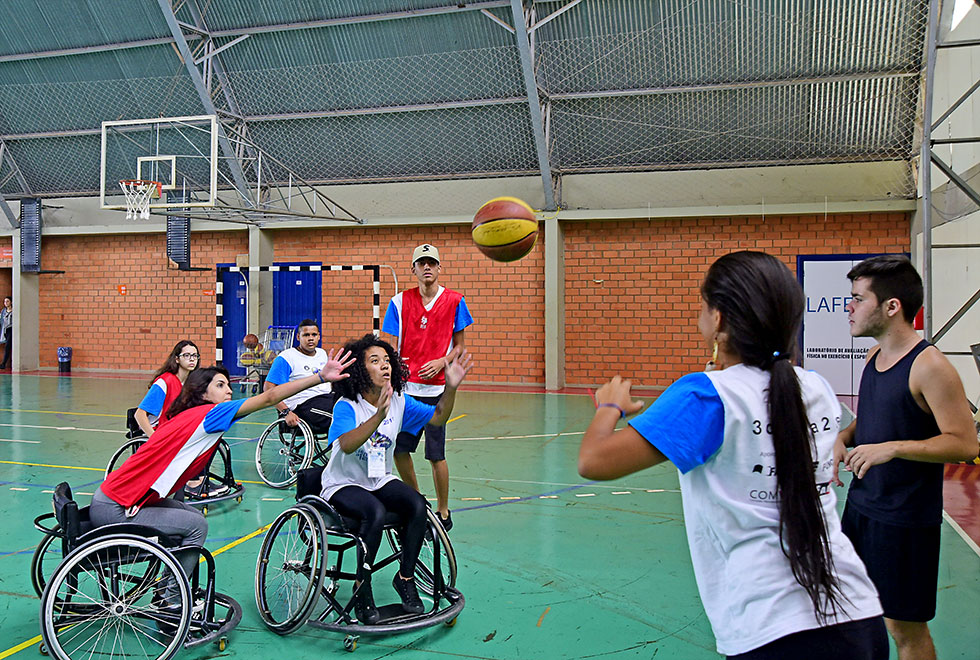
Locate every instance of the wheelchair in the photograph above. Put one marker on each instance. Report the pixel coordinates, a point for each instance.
(284, 450)
(299, 573)
(101, 599)
(218, 485)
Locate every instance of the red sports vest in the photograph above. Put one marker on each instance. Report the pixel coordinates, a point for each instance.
(426, 334)
(131, 483)
(173, 391)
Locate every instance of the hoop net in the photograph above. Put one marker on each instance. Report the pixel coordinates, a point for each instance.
(138, 193)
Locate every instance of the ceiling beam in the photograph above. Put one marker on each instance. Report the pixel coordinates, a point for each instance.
(5, 156)
(8, 213)
(454, 8)
(234, 165)
(534, 103)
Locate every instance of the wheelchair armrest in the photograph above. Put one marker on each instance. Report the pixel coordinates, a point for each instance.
(50, 531)
(134, 529)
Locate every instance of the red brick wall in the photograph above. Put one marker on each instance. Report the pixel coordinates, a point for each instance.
(506, 300)
(640, 319)
(83, 307)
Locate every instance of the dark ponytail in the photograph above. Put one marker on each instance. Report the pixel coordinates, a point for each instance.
(761, 306)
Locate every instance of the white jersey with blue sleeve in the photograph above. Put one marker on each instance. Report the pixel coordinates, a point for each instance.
(152, 403)
(404, 414)
(715, 428)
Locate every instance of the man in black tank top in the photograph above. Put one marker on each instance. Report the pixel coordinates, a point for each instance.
(912, 417)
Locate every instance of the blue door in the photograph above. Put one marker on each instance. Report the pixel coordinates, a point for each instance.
(297, 295)
(235, 303)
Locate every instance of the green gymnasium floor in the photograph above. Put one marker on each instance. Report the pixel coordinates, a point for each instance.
(551, 566)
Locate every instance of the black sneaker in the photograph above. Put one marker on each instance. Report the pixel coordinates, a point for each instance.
(411, 602)
(447, 522)
(364, 608)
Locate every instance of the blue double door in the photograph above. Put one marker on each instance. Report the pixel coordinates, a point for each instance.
(297, 295)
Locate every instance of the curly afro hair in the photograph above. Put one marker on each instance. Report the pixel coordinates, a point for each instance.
(360, 381)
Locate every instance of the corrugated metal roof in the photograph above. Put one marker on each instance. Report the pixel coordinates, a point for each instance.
(625, 84)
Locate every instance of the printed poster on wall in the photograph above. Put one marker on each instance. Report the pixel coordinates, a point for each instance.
(828, 347)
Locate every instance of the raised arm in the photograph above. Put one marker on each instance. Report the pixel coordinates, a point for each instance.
(607, 453)
(455, 373)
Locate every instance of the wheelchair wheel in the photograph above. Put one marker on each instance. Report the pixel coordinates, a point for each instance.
(103, 601)
(290, 569)
(46, 558)
(425, 568)
(282, 451)
(122, 454)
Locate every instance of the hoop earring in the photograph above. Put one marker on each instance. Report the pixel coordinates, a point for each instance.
(714, 352)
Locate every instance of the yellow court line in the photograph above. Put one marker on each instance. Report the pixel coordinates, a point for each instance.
(34, 640)
(20, 647)
(457, 417)
(63, 467)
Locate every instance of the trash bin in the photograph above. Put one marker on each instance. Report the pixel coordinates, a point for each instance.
(64, 359)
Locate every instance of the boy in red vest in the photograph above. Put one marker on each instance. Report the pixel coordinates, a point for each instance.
(428, 323)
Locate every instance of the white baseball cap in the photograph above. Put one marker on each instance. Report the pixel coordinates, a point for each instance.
(425, 250)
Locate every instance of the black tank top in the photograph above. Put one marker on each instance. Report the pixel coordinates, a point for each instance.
(899, 492)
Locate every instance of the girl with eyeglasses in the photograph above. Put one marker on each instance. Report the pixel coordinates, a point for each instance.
(166, 384)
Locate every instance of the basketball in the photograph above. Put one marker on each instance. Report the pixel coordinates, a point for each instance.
(505, 229)
(250, 340)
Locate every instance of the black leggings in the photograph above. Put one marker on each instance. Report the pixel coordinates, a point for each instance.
(370, 508)
(864, 639)
(8, 348)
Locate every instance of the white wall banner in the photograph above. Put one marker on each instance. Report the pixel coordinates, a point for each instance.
(828, 347)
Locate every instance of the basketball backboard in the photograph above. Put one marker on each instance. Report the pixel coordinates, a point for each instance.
(179, 152)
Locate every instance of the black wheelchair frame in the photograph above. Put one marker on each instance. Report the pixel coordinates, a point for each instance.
(297, 585)
(283, 450)
(102, 599)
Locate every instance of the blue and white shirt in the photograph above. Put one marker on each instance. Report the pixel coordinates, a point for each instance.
(293, 364)
(404, 414)
(714, 427)
(152, 402)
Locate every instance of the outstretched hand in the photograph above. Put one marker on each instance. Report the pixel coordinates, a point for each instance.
(617, 392)
(457, 369)
(332, 370)
(384, 401)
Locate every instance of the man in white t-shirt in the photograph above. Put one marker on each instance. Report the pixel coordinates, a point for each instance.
(314, 405)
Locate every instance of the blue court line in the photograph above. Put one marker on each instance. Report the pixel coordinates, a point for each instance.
(21, 483)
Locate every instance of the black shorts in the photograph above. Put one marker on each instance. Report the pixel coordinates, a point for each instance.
(435, 436)
(902, 562)
(855, 640)
(317, 412)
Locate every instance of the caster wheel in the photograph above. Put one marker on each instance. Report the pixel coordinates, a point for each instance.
(350, 643)
(239, 499)
(204, 511)
(451, 622)
(255, 389)
(42, 649)
(242, 389)
(222, 643)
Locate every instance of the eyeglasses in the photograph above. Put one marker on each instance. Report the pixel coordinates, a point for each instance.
(190, 356)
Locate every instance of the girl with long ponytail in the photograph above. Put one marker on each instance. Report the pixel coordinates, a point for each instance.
(753, 440)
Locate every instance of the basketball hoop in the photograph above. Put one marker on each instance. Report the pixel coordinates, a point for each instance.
(138, 193)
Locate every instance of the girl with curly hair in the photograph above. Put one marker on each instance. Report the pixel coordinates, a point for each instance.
(357, 481)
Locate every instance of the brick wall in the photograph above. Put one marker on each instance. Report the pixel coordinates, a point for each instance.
(83, 307)
(631, 287)
(507, 301)
(6, 285)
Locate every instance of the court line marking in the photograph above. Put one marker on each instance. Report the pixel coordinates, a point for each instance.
(62, 428)
(34, 640)
(26, 442)
(963, 535)
(61, 467)
(87, 414)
